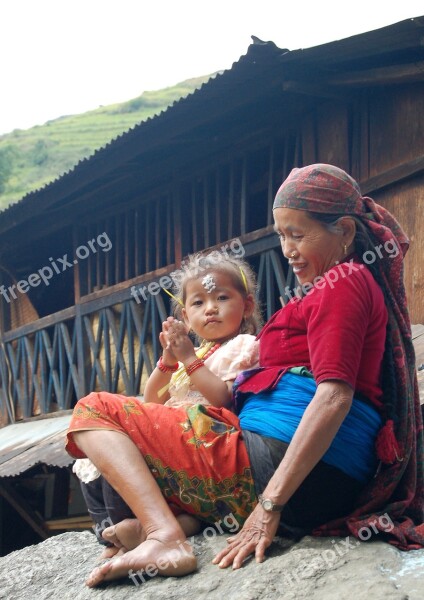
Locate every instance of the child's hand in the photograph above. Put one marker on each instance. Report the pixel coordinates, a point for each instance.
(168, 356)
(180, 344)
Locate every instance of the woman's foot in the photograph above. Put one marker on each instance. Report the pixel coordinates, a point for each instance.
(170, 558)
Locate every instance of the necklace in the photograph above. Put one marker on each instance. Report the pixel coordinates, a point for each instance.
(204, 351)
(209, 352)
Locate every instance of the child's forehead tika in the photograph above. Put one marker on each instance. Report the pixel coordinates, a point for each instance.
(221, 281)
(208, 282)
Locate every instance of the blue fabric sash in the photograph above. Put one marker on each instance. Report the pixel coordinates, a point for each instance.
(277, 414)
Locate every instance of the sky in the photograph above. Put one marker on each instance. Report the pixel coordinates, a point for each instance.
(62, 57)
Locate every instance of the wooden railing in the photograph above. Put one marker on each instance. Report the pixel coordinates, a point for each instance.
(109, 341)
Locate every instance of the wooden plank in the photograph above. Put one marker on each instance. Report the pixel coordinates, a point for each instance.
(332, 135)
(42, 323)
(364, 150)
(111, 257)
(118, 244)
(205, 210)
(80, 523)
(97, 258)
(243, 196)
(396, 127)
(51, 355)
(95, 344)
(231, 201)
(131, 342)
(270, 187)
(145, 239)
(308, 140)
(70, 353)
(77, 270)
(176, 215)
(31, 350)
(82, 353)
(13, 359)
(315, 90)
(298, 150)
(159, 229)
(395, 175)
(218, 210)
(118, 342)
(136, 243)
(193, 213)
(354, 125)
(169, 231)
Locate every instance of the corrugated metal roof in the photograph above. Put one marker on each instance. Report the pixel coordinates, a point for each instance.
(23, 445)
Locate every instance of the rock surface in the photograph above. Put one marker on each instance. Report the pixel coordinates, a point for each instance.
(313, 568)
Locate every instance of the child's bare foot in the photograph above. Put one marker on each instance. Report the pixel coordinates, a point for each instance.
(126, 535)
(189, 524)
(167, 557)
(110, 552)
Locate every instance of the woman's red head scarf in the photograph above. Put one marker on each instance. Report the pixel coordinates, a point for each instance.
(398, 488)
(327, 189)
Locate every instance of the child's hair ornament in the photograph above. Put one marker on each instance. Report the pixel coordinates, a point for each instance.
(243, 276)
(178, 300)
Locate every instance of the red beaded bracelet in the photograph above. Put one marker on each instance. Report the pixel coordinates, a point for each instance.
(196, 364)
(165, 368)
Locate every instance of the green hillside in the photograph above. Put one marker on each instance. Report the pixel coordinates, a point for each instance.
(31, 158)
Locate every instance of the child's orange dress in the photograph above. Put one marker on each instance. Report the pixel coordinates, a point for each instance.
(175, 437)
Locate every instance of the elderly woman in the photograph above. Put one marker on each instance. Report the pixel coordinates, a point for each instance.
(329, 426)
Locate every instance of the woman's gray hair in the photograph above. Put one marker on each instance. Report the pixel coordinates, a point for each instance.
(363, 240)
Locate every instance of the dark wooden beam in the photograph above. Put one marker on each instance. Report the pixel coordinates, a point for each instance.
(315, 90)
(23, 509)
(403, 171)
(394, 74)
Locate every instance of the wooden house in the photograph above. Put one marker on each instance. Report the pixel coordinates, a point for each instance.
(200, 175)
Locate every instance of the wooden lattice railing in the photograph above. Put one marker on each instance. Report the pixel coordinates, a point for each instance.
(108, 343)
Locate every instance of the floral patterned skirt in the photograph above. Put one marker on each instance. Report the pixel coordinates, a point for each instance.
(196, 454)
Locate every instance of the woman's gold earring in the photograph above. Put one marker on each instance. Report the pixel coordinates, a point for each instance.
(345, 249)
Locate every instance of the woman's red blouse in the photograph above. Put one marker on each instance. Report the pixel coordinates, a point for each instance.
(337, 330)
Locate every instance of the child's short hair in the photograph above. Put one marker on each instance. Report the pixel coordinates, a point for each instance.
(196, 266)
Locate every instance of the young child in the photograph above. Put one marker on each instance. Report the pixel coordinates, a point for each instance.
(215, 300)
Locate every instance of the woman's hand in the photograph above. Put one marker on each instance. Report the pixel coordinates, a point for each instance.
(256, 535)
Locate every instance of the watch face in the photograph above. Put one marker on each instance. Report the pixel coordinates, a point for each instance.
(267, 505)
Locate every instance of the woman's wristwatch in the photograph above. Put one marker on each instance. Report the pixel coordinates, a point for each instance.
(269, 505)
